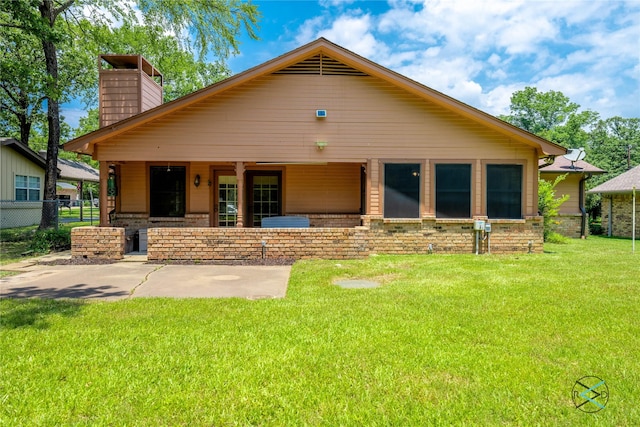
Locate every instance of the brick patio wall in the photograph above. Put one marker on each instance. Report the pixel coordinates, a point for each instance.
(378, 236)
(255, 243)
(98, 242)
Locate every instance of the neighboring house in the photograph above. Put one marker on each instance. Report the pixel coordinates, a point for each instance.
(374, 161)
(72, 178)
(617, 203)
(21, 184)
(572, 219)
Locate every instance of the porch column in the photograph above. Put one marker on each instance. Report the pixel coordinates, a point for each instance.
(240, 184)
(104, 176)
(477, 189)
(373, 182)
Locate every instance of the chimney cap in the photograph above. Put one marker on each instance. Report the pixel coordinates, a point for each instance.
(130, 62)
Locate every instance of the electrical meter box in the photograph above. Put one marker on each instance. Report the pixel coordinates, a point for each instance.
(478, 225)
(487, 227)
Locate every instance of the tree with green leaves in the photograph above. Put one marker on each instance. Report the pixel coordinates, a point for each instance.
(550, 115)
(614, 146)
(209, 27)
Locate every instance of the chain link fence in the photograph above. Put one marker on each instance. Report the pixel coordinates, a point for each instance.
(18, 213)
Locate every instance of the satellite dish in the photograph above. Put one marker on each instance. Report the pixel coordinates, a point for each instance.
(574, 155)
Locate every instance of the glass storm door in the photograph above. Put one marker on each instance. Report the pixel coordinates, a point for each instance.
(264, 196)
(227, 201)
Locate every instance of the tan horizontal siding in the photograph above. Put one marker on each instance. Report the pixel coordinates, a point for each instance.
(333, 188)
(199, 197)
(133, 191)
(273, 119)
(569, 186)
(11, 164)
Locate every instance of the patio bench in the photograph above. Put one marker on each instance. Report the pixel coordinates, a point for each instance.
(285, 222)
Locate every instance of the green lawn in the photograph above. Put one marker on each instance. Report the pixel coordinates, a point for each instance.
(447, 339)
(16, 243)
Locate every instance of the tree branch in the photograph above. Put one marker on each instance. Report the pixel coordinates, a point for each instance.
(62, 8)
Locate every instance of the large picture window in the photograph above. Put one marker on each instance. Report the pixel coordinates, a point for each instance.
(504, 191)
(168, 191)
(402, 190)
(453, 190)
(27, 188)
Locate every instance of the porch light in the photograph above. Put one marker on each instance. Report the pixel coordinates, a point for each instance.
(196, 181)
(321, 144)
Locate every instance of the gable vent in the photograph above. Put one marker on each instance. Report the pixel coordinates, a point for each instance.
(321, 65)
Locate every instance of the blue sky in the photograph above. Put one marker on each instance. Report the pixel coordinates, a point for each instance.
(478, 51)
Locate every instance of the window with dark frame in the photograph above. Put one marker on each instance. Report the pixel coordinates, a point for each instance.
(167, 191)
(402, 190)
(453, 190)
(504, 191)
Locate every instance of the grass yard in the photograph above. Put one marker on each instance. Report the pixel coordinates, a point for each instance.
(16, 243)
(447, 339)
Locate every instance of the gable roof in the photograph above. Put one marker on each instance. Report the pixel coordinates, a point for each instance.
(623, 183)
(24, 151)
(301, 59)
(563, 165)
(77, 171)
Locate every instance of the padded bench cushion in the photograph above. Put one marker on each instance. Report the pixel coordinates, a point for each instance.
(285, 222)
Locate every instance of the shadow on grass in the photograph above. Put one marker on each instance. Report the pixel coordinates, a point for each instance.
(35, 312)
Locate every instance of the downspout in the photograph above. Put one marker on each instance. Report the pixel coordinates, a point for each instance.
(583, 211)
(609, 220)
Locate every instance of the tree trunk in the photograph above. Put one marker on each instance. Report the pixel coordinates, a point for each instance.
(49, 208)
(24, 119)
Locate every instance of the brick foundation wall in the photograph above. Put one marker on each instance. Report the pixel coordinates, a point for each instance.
(98, 242)
(380, 236)
(621, 218)
(569, 225)
(431, 235)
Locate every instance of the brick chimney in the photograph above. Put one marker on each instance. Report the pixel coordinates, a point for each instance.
(128, 85)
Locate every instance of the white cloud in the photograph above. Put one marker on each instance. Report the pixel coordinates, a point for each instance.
(481, 51)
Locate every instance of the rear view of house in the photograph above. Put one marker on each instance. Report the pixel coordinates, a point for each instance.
(373, 161)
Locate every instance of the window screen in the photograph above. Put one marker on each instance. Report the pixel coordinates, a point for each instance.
(504, 191)
(27, 188)
(402, 190)
(168, 191)
(453, 190)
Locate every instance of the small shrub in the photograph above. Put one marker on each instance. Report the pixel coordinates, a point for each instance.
(595, 228)
(51, 240)
(554, 237)
(548, 204)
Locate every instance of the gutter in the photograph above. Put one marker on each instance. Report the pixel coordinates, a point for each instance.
(583, 211)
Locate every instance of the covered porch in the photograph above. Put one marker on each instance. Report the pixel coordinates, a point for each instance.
(137, 195)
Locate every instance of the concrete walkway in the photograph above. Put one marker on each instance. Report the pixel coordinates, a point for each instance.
(133, 278)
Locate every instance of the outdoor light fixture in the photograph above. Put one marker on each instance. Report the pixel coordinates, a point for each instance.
(196, 181)
(321, 144)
